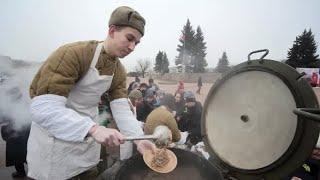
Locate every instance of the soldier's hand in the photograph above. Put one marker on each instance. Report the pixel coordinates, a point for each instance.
(106, 136)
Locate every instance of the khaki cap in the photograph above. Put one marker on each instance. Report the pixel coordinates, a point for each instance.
(126, 16)
(135, 94)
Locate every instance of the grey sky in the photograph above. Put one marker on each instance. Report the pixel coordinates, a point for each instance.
(32, 29)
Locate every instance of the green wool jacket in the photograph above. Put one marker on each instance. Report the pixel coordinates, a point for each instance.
(161, 116)
(65, 67)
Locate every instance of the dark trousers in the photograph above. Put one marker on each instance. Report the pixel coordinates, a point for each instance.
(20, 168)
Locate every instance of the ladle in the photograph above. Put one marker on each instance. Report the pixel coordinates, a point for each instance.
(161, 134)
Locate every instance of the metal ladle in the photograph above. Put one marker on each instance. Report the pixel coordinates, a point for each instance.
(161, 135)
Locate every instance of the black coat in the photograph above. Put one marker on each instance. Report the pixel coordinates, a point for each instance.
(181, 116)
(192, 117)
(143, 110)
(180, 107)
(311, 174)
(199, 82)
(16, 143)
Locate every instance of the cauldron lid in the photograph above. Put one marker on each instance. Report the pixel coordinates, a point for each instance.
(248, 121)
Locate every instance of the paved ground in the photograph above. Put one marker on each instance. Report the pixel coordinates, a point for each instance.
(5, 174)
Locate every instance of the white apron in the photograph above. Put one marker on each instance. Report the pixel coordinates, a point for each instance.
(54, 159)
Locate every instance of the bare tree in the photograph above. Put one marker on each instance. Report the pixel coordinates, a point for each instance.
(143, 66)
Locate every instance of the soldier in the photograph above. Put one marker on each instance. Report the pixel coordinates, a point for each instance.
(65, 138)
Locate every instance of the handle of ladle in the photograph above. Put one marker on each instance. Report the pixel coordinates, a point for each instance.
(132, 138)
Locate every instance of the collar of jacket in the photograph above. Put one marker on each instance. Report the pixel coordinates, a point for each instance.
(107, 56)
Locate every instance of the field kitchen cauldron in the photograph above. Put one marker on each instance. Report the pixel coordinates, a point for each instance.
(259, 121)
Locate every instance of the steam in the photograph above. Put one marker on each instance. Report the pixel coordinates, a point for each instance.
(15, 79)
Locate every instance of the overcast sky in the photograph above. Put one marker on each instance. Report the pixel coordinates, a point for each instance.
(31, 30)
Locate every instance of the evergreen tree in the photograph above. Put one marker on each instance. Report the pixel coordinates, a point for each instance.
(162, 63)
(165, 64)
(303, 52)
(199, 52)
(186, 48)
(223, 64)
(158, 64)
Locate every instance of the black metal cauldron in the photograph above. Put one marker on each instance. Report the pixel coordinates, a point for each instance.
(190, 166)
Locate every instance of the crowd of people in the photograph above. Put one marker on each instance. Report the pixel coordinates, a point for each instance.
(185, 108)
(144, 98)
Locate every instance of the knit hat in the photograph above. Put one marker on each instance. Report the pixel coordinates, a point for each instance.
(135, 94)
(126, 16)
(149, 93)
(189, 96)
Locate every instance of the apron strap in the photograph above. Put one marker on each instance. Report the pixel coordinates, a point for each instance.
(96, 55)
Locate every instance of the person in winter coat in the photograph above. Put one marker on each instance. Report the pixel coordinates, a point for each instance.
(16, 146)
(180, 109)
(137, 79)
(152, 85)
(310, 169)
(132, 86)
(159, 96)
(65, 137)
(148, 104)
(180, 88)
(192, 116)
(135, 98)
(199, 84)
(143, 88)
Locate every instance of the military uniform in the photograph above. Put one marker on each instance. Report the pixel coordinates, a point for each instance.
(65, 95)
(65, 67)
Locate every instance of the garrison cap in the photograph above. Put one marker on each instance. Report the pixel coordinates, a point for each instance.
(126, 16)
(135, 94)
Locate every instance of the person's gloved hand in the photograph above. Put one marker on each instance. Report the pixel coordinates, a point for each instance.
(144, 145)
(106, 136)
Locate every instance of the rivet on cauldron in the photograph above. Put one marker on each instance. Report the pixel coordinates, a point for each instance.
(244, 118)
